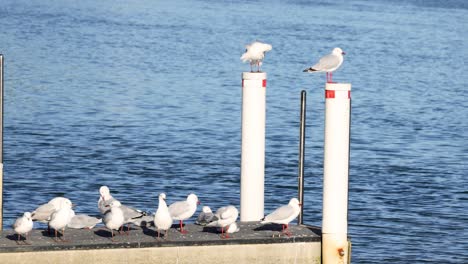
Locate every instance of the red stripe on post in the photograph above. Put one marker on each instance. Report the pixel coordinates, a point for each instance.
(349, 94)
(264, 83)
(329, 94)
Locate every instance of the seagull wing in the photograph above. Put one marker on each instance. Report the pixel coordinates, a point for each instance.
(178, 208)
(83, 221)
(18, 222)
(326, 63)
(227, 212)
(43, 212)
(280, 214)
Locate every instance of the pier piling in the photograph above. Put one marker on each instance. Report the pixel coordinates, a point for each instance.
(253, 146)
(335, 173)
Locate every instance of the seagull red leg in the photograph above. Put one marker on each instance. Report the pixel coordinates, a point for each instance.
(286, 230)
(182, 228)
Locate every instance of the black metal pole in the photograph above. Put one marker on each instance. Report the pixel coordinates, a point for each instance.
(301, 155)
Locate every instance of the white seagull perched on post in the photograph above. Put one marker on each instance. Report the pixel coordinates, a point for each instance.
(255, 53)
(183, 210)
(284, 214)
(328, 63)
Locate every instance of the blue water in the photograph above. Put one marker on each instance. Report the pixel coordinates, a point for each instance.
(145, 98)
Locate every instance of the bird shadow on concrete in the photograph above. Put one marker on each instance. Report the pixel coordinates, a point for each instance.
(211, 229)
(104, 233)
(269, 227)
(149, 232)
(14, 237)
(46, 233)
(22, 240)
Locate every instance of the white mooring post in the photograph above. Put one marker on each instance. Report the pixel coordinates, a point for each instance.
(253, 146)
(336, 170)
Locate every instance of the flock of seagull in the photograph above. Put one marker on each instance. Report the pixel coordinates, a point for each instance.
(255, 53)
(58, 214)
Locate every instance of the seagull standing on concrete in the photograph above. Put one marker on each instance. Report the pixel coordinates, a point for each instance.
(44, 212)
(114, 218)
(162, 218)
(224, 217)
(61, 218)
(205, 217)
(22, 226)
(284, 214)
(183, 210)
(328, 63)
(233, 228)
(83, 221)
(255, 53)
(131, 215)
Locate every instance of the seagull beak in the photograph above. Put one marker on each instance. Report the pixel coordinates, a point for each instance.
(198, 202)
(73, 205)
(343, 53)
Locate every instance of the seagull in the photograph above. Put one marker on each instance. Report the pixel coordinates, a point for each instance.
(162, 218)
(205, 217)
(144, 221)
(233, 228)
(83, 221)
(284, 214)
(61, 218)
(328, 63)
(23, 225)
(183, 210)
(131, 215)
(114, 218)
(224, 217)
(44, 212)
(255, 53)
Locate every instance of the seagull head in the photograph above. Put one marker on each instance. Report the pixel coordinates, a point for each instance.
(206, 209)
(27, 215)
(294, 202)
(162, 196)
(192, 198)
(66, 204)
(338, 51)
(266, 47)
(104, 192)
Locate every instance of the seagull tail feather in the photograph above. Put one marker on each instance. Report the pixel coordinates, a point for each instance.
(309, 70)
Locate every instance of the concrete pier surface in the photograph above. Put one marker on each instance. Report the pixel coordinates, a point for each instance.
(254, 243)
